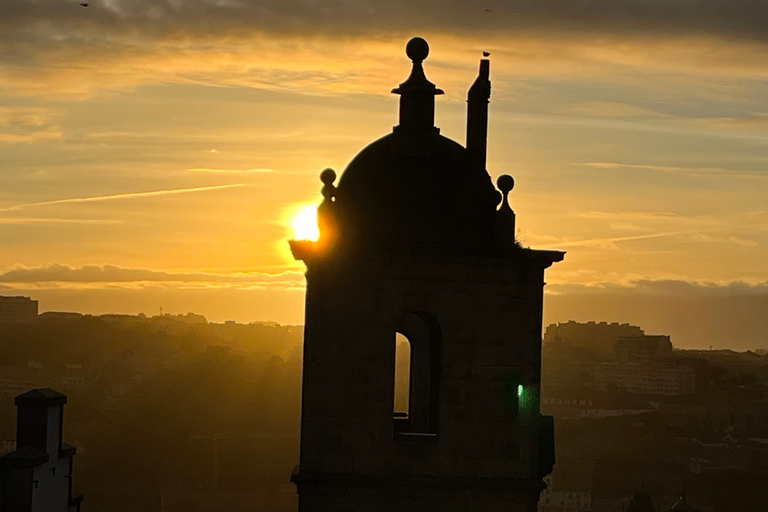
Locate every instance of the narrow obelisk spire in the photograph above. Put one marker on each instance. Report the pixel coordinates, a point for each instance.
(477, 115)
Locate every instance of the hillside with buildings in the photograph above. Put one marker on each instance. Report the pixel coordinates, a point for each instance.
(167, 412)
(173, 413)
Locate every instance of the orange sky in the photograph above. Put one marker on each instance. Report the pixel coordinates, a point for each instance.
(152, 154)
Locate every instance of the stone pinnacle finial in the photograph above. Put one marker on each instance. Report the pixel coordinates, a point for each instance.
(328, 176)
(505, 183)
(417, 94)
(505, 216)
(417, 49)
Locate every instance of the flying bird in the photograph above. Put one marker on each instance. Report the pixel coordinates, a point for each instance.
(487, 10)
(83, 5)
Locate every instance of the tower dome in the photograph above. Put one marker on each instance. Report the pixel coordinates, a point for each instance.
(415, 190)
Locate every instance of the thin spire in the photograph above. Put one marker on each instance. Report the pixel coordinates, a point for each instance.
(477, 115)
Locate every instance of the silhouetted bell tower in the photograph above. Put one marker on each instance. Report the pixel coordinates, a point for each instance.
(415, 240)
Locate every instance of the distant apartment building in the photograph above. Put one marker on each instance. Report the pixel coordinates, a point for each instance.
(552, 500)
(649, 379)
(563, 372)
(14, 310)
(597, 335)
(642, 349)
(60, 316)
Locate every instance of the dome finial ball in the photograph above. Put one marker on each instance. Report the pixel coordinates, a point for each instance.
(328, 176)
(417, 49)
(505, 183)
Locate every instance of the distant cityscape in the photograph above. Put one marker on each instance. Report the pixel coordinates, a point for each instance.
(637, 419)
(638, 423)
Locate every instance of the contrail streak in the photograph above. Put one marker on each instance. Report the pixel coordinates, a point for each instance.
(16, 220)
(594, 241)
(230, 171)
(128, 195)
(696, 171)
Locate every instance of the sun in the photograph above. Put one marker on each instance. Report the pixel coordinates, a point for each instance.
(305, 223)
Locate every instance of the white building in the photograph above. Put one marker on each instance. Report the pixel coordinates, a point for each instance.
(37, 475)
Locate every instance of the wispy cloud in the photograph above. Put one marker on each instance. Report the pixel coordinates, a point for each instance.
(668, 287)
(727, 239)
(48, 47)
(50, 133)
(230, 171)
(25, 220)
(56, 275)
(718, 171)
(27, 124)
(612, 110)
(201, 18)
(129, 195)
(607, 241)
(759, 121)
(633, 215)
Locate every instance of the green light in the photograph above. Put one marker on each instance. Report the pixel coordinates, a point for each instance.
(520, 390)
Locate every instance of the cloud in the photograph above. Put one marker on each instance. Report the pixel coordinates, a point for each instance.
(55, 275)
(667, 287)
(686, 170)
(727, 239)
(733, 19)
(231, 171)
(35, 220)
(694, 313)
(609, 242)
(699, 234)
(633, 215)
(129, 195)
(611, 110)
(55, 47)
(27, 124)
(757, 121)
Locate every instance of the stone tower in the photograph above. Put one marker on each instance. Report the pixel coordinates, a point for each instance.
(37, 476)
(413, 242)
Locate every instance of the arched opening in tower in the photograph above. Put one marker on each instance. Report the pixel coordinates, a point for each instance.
(402, 375)
(416, 375)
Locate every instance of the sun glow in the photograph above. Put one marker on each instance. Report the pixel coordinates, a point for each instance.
(305, 224)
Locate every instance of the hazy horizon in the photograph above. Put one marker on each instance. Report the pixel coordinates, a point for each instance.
(732, 318)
